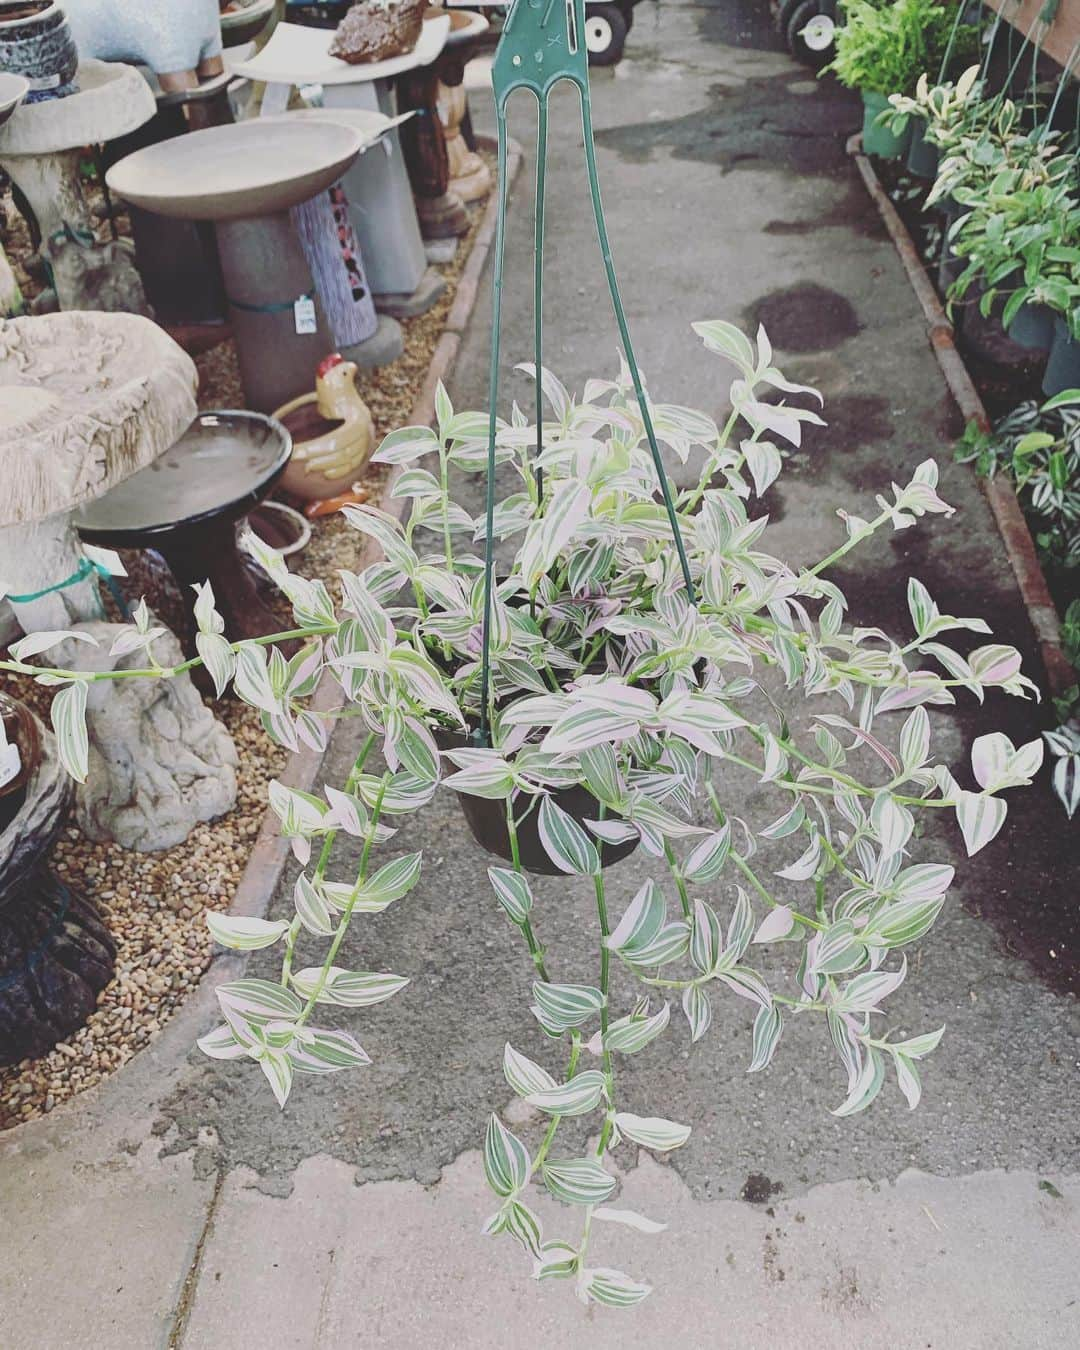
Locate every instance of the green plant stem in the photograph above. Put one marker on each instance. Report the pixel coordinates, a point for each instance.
(535, 950)
(605, 982)
(748, 872)
(680, 880)
(554, 1123)
(444, 505)
(164, 672)
(324, 858)
(855, 540)
(342, 927)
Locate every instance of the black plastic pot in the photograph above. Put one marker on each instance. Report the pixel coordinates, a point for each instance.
(1063, 367)
(950, 265)
(36, 42)
(1032, 326)
(486, 820)
(922, 157)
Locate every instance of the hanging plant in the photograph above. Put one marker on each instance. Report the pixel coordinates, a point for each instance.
(603, 678)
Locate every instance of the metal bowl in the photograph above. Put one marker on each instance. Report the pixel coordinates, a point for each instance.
(222, 466)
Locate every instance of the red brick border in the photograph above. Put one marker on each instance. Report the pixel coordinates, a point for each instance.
(1019, 546)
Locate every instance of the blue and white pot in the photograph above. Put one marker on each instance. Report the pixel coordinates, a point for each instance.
(36, 43)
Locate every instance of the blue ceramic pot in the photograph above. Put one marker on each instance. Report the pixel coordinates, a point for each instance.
(36, 43)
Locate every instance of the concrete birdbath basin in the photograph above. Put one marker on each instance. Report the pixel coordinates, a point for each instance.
(186, 505)
(85, 400)
(245, 21)
(245, 178)
(382, 210)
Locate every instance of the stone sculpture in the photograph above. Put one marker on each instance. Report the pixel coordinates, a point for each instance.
(160, 763)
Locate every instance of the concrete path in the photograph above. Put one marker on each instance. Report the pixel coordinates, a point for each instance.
(176, 1207)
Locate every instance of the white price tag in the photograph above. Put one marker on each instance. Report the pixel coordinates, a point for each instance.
(10, 763)
(304, 315)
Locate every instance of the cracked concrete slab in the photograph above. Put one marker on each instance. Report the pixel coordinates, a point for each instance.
(979, 1263)
(95, 1243)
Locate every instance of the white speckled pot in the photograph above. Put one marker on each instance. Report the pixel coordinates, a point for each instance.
(36, 42)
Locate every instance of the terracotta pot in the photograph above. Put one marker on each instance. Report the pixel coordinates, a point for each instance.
(36, 42)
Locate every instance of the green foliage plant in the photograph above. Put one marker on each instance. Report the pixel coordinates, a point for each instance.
(605, 678)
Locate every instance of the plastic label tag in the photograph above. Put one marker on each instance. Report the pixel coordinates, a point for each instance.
(10, 763)
(304, 315)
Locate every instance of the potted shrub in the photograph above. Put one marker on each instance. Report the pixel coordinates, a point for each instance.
(651, 672)
(883, 50)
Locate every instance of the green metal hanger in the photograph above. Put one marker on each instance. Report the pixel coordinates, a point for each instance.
(543, 43)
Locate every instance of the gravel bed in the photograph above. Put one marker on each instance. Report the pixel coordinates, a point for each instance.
(155, 904)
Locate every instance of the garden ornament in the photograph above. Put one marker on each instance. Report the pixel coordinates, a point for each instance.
(332, 432)
(179, 40)
(85, 401)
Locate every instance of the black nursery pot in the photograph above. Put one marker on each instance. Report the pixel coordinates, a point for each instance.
(922, 156)
(1032, 327)
(486, 820)
(1063, 367)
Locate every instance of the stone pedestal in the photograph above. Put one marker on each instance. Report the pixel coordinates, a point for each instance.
(41, 150)
(470, 177)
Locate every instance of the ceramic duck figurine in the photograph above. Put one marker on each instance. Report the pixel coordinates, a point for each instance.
(333, 435)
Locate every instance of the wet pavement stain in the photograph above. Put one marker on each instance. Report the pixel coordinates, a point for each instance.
(758, 121)
(757, 1189)
(854, 421)
(851, 210)
(805, 318)
(740, 23)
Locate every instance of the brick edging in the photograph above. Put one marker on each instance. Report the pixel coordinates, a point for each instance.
(142, 1076)
(1013, 528)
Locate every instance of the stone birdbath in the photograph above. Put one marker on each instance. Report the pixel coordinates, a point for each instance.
(40, 149)
(187, 504)
(86, 400)
(245, 178)
(381, 203)
(55, 953)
